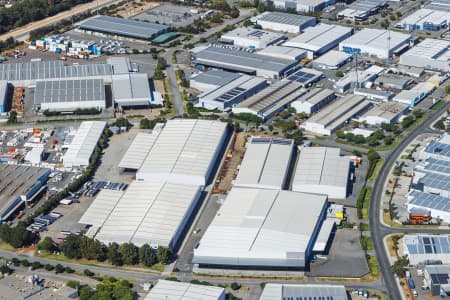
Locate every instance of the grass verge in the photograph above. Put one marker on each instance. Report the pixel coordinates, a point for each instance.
(376, 170)
(438, 105)
(364, 227)
(373, 266)
(366, 243)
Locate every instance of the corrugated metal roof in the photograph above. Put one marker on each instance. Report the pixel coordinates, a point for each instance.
(138, 150)
(260, 225)
(215, 77)
(284, 18)
(131, 89)
(185, 148)
(277, 291)
(127, 27)
(149, 212)
(99, 210)
(321, 166)
(266, 163)
(171, 290)
(83, 144)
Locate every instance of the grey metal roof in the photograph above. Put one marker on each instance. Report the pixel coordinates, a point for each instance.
(285, 18)
(240, 60)
(429, 201)
(127, 27)
(120, 65)
(131, 89)
(216, 77)
(316, 95)
(266, 163)
(277, 291)
(75, 90)
(50, 70)
(172, 290)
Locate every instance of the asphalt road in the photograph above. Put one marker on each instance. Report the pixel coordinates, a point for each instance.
(22, 32)
(378, 230)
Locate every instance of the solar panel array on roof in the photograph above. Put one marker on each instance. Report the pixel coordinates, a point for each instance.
(430, 201)
(69, 91)
(301, 77)
(437, 165)
(436, 147)
(50, 70)
(419, 244)
(125, 27)
(437, 181)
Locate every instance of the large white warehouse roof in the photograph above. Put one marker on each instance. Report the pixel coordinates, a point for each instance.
(138, 150)
(317, 37)
(184, 152)
(266, 163)
(322, 170)
(172, 290)
(148, 212)
(131, 89)
(83, 144)
(277, 291)
(259, 227)
(381, 43)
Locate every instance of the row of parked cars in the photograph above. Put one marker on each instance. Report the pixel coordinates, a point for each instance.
(41, 222)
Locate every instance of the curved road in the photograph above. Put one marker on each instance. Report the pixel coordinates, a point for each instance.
(378, 229)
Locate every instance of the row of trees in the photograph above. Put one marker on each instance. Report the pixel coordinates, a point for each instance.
(27, 11)
(160, 67)
(76, 247)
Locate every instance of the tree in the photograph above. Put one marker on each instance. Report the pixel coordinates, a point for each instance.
(388, 140)
(114, 255)
(372, 155)
(235, 286)
(48, 267)
(91, 249)
(12, 119)
(4, 269)
(47, 244)
(71, 247)
(130, 253)
(147, 255)
(372, 141)
(20, 236)
(164, 255)
(399, 266)
(59, 269)
(5, 232)
(447, 89)
(339, 74)
(36, 265)
(88, 273)
(234, 13)
(359, 139)
(407, 121)
(340, 134)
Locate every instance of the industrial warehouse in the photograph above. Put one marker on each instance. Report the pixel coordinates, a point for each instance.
(376, 42)
(276, 291)
(242, 61)
(83, 144)
(122, 27)
(131, 90)
(425, 19)
(332, 60)
(271, 100)
(266, 164)
(283, 53)
(68, 95)
(335, 115)
(317, 40)
(306, 6)
(424, 249)
(416, 94)
(252, 220)
(324, 170)
(361, 10)
(19, 184)
(284, 22)
(224, 90)
(168, 185)
(386, 112)
(313, 100)
(169, 289)
(251, 38)
(429, 54)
